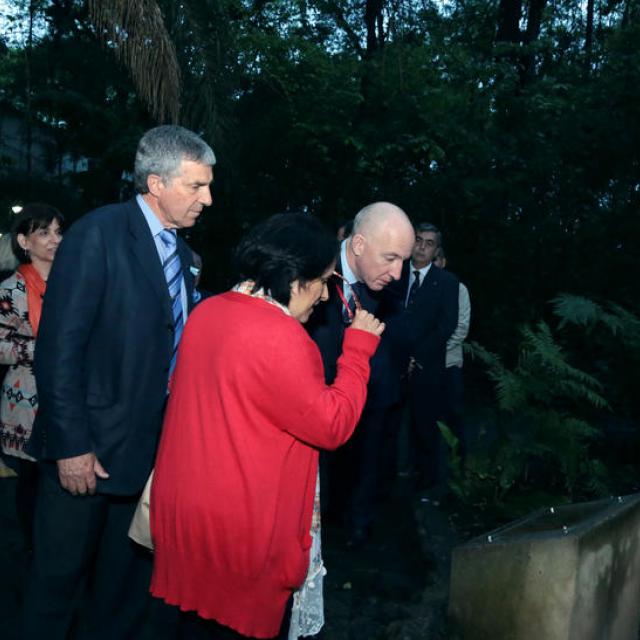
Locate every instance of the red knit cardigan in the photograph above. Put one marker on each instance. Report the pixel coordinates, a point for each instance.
(234, 483)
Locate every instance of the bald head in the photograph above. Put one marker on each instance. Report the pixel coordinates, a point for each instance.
(381, 240)
(370, 218)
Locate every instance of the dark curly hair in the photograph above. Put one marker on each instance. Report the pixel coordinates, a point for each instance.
(34, 216)
(284, 248)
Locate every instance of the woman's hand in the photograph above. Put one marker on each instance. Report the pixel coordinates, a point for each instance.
(366, 321)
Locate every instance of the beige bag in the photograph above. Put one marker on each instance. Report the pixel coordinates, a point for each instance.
(140, 528)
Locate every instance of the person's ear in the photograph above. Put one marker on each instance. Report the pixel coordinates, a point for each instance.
(357, 243)
(22, 241)
(155, 184)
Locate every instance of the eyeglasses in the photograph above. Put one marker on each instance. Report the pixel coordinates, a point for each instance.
(354, 296)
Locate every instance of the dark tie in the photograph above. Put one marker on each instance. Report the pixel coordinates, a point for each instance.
(414, 288)
(173, 275)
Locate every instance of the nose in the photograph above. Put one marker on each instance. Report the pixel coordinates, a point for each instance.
(324, 296)
(396, 270)
(206, 198)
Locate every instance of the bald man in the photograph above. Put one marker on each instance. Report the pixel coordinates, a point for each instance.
(370, 258)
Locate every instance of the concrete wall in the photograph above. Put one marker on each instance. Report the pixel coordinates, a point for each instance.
(570, 573)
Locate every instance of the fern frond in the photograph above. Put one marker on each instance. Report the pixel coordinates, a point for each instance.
(627, 324)
(540, 347)
(581, 311)
(476, 350)
(575, 427)
(572, 309)
(573, 390)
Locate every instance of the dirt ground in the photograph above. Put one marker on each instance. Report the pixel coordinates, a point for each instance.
(395, 586)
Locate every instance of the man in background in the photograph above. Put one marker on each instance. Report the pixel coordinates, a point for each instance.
(419, 336)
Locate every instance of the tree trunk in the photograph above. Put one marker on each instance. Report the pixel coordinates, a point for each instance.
(509, 21)
(534, 20)
(372, 13)
(588, 36)
(28, 112)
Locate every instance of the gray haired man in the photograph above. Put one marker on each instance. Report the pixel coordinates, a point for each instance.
(117, 299)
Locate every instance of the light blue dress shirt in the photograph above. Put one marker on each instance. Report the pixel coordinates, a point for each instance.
(155, 226)
(346, 271)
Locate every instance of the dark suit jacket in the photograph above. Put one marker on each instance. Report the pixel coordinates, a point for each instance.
(104, 346)
(327, 327)
(423, 329)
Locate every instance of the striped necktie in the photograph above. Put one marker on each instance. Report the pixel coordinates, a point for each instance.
(173, 275)
(354, 289)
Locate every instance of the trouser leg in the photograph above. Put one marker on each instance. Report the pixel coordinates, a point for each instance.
(65, 536)
(26, 491)
(370, 439)
(426, 410)
(454, 394)
(119, 601)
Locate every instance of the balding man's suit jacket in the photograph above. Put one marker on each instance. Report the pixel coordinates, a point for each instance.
(327, 327)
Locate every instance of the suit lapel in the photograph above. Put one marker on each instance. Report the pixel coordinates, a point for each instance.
(145, 253)
(430, 284)
(186, 260)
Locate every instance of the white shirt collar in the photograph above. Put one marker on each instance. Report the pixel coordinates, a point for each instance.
(423, 271)
(346, 269)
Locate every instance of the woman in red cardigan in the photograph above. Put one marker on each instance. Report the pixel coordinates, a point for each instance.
(235, 515)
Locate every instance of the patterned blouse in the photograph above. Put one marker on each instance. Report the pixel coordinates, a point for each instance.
(19, 401)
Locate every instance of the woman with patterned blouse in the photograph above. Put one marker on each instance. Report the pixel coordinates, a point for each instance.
(35, 238)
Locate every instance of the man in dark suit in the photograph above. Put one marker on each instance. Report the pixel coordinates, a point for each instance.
(370, 258)
(428, 300)
(116, 302)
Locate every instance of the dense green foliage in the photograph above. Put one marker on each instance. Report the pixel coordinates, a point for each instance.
(543, 442)
(517, 134)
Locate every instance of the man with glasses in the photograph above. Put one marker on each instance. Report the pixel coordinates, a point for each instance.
(370, 258)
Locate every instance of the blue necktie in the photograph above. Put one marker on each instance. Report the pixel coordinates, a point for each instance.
(173, 275)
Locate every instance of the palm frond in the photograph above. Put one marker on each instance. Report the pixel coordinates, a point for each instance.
(136, 32)
(210, 29)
